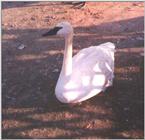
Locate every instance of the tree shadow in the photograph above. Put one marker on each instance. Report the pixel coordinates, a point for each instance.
(125, 33)
(15, 4)
(6, 5)
(29, 77)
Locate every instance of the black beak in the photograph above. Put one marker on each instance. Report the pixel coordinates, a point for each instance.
(52, 31)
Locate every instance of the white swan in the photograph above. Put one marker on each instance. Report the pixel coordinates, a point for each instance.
(87, 73)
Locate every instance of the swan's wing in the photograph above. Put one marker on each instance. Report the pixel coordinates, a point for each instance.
(94, 65)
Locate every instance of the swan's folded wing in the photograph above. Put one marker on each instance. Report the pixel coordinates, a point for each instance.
(95, 61)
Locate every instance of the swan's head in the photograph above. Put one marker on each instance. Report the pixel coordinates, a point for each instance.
(62, 29)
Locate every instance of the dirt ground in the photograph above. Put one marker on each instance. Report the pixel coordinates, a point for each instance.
(31, 66)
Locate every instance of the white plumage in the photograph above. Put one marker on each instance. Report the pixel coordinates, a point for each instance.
(86, 74)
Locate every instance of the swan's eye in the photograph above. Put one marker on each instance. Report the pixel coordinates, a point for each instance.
(52, 31)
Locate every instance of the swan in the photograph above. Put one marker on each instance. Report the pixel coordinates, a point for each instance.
(87, 73)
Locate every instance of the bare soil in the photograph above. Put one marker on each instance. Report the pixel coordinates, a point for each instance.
(31, 66)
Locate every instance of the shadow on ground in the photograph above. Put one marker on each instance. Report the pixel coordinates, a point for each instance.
(7, 5)
(29, 76)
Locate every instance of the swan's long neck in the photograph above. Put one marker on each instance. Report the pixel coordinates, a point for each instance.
(67, 60)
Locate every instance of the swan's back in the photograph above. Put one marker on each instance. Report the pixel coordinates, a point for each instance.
(92, 72)
(101, 51)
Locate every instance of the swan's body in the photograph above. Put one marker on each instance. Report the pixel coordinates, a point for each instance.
(87, 73)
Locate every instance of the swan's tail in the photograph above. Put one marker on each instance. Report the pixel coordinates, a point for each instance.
(108, 45)
(109, 49)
